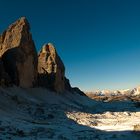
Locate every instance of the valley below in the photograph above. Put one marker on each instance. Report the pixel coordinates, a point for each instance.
(38, 113)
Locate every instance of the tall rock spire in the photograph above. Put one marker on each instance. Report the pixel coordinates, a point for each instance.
(18, 53)
(51, 69)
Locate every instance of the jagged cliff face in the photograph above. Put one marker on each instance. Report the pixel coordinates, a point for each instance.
(21, 66)
(51, 69)
(18, 54)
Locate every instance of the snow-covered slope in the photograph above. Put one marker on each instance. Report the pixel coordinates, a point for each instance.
(136, 91)
(37, 113)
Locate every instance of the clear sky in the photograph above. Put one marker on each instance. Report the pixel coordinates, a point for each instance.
(98, 40)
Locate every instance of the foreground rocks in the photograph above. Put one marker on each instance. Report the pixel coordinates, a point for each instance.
(18, 54)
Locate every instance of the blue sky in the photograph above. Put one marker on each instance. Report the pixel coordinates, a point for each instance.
(98, 40)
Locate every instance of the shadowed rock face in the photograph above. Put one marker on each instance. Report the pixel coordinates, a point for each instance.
(51, 69)
(20, 65)
(5, 80)
(18, 53)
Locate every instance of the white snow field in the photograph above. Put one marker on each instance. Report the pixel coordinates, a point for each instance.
(38, 114)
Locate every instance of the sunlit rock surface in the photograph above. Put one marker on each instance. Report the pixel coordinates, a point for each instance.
(18, 53)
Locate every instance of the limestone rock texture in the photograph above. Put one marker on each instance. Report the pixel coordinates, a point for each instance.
(18, 54)
(51, 69)
(20, 64)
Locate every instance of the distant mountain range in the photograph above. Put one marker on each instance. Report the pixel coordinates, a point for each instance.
(129, 92)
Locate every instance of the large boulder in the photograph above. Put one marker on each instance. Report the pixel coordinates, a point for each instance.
(51, 69)
(18, 54)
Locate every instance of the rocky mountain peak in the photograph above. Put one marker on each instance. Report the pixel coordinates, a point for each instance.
(18, 53)
(50, 66)
(48, 48)
(21, 23)
(21, 66)
(11, 38)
